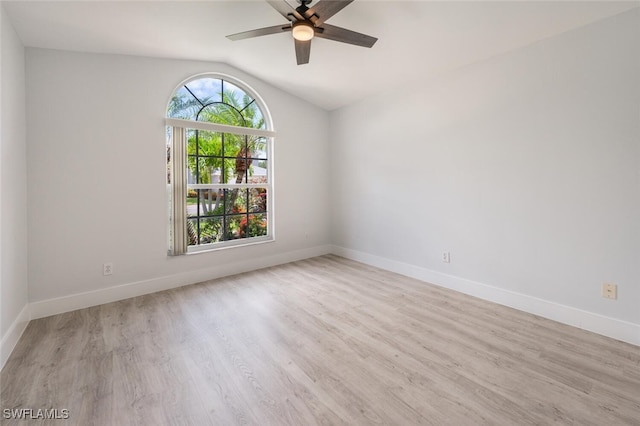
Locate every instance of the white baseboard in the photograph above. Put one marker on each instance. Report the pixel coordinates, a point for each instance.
(73, 302)
(600, 324)
(611, 327)
(11, 337)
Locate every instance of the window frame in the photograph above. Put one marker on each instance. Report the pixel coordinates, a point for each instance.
(267, 133)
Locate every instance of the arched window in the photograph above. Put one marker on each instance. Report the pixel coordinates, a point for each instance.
(218, 165)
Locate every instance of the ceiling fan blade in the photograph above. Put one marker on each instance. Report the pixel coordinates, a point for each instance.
(285, 9)
(345, 36)
(260, 32)
(325, 9)
(303, 49)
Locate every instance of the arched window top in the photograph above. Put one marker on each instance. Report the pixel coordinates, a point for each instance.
(217, 99)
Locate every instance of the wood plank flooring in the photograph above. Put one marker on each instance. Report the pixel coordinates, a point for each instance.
(321, 341)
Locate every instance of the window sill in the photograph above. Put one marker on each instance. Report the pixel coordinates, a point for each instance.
(208, 248)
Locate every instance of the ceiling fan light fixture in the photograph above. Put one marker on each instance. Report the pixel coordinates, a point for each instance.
(305, 23)
(302, 31)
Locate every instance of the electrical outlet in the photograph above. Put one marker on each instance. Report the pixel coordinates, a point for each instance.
(609, 291)
(107, 269)
(446, 257)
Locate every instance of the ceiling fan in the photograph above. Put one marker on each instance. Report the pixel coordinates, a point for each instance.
(305, 23)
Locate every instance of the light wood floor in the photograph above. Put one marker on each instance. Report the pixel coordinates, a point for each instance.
(321, 341)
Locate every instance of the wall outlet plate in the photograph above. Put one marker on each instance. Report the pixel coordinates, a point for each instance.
(609, 291)
(107, 269)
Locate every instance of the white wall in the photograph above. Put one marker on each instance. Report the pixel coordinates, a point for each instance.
(525, 167)
(13, 195)
(96, 174)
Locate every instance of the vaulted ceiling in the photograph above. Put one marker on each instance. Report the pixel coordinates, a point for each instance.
(417, 39)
